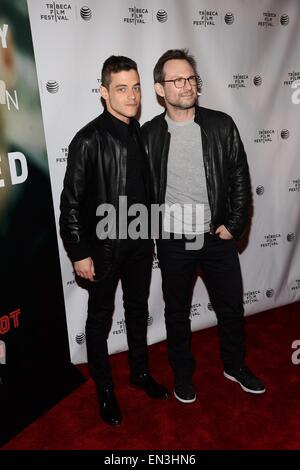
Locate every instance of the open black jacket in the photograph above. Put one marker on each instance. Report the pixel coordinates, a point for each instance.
(225, 162)
(95, 174)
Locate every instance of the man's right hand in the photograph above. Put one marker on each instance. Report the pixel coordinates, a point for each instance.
(85, 268)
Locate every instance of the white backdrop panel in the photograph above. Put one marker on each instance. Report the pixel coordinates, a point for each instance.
(248, 57)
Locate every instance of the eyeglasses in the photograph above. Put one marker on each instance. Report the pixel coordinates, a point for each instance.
(194, 80)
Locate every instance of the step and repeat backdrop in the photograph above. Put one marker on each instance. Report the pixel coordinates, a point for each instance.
(248, 59)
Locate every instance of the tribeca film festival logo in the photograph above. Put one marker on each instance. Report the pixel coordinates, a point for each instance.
(136, 15)
(97, 90)
(121, 327)
(195, 310)
(251, 297)
(239, 80)
(64, 155)
(296, 93)
(295, 186)
(293, 81)
(270, 240)
(264, 136)
(56, 12)
(291, 78)
(155, 263)
(296, 285)
(271, 19)
(206, 18)
(296, 354)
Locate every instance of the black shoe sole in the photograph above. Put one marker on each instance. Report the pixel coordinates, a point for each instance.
(249, 390)
(183, 400)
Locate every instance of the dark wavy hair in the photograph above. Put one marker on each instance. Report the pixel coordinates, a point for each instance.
(115, 64)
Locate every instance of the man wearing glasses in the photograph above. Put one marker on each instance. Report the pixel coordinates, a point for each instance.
(200, 167)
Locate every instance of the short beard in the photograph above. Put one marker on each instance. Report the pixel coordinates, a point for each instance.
(183, 106)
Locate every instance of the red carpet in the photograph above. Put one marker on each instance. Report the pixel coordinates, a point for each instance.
(223, 417)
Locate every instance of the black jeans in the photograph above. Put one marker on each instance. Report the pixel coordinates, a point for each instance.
(220, 264)
(134, 268)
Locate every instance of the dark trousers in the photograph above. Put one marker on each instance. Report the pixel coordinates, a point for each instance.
(220, 264)
(134, 268)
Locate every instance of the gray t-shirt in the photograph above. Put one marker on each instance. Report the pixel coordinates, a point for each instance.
(186, 182)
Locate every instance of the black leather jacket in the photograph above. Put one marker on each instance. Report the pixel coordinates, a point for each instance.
(225, 161)
(95, 174)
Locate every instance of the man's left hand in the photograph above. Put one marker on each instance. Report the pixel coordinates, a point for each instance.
(223, 233)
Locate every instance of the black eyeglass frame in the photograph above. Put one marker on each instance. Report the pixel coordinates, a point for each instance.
(196, 77)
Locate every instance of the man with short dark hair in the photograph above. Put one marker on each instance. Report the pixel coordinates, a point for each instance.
(199, 161)
(107, 160)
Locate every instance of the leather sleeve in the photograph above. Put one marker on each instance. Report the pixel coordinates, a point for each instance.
(73, 221)
(239, 183)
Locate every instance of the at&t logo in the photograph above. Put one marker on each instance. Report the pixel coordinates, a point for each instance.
(52, 86)
(260, 190)
(162, 16)
(284, 134)
(257, 80)
(269, 293)
(80, 338)
(86, 13)
(284, 20)
(229, 18)
(290, 237)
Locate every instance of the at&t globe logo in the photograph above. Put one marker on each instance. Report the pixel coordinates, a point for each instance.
(52, 86)
(85, 13)
(257, 80)
(284, 134)
(290, 237)
(260, 190)
(269, 293)
(80, 338)
(284, 20)
(162, 16)
(229, 18)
